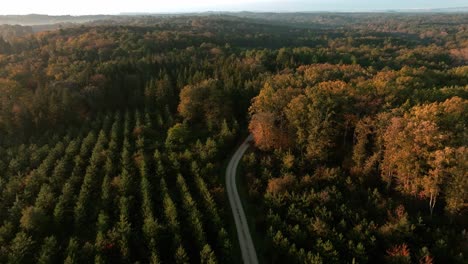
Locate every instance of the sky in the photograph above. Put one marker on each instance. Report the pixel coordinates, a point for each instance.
(83, 7)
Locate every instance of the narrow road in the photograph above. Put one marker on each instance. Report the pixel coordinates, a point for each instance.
(249, 255)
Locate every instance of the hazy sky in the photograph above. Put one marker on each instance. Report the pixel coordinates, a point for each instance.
(80, 7)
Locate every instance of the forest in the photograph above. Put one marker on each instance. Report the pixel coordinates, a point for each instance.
(115, 135)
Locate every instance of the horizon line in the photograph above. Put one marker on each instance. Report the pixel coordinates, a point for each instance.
(463, 9)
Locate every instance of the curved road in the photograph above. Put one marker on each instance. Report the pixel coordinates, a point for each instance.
(249, 255)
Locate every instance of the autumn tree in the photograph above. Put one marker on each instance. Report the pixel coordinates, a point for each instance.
(204, 101)
(422, 150)
(268, 124)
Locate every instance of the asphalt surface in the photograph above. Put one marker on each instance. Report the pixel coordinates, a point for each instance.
(249, 255)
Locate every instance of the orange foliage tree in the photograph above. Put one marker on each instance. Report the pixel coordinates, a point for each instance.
(424, 150)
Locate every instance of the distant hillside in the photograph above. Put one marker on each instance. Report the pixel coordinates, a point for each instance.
(383, 20)
(34, 19)
(437, 10)
(8, 32)
(316, 17)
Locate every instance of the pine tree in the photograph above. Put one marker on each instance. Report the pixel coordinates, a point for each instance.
(181, 256)
(207, 255)
(20, 250)
(49, 250)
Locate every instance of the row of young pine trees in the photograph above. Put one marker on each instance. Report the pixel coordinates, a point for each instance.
(132, 204)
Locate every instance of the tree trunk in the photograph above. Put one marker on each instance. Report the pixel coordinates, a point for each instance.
(432, 202)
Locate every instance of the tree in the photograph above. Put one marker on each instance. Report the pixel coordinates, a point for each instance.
(399, 254)
(317, 119)
(177, 136)
(181, 256)
(123, 229)
(45, 199)
(193, 215)
(33, 219)
(48, 251)
(20, 249)
(265, 132)
(72, 252)
(170, 213)
(277, 186)
(422, 151)
(204, 101)
(448, 163)
(207, 256)
(268, 124)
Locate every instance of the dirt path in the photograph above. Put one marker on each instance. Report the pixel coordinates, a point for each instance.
(249, 255)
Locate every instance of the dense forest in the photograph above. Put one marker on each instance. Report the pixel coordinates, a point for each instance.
(115, 135)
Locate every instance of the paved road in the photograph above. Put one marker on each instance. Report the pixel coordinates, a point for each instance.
(249, 255)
